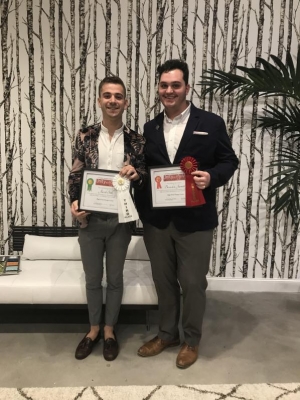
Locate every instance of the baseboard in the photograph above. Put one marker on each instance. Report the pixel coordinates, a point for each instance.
(253, 285)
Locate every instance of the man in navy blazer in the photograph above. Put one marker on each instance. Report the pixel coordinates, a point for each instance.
(179, 240)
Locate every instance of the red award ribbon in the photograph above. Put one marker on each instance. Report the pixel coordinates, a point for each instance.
(193, 195)
(158, 180)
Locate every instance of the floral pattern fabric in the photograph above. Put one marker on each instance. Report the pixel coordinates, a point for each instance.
(85, 155)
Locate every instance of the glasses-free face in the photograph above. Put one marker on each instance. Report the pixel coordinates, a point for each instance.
(112, 101)
(172, 91)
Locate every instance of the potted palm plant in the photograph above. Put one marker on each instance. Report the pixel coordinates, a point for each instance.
(282, 82)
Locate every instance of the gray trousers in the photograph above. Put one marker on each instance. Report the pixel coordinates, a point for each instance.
(104, 234)
(179, 259)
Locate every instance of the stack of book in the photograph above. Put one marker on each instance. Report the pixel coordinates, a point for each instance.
(9, 265)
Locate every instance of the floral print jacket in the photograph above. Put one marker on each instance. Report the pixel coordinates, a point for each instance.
(86, 156)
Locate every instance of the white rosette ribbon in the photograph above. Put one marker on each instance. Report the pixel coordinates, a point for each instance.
(126, 209)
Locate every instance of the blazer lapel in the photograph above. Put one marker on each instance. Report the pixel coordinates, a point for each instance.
(160, 137)
(92, 154)
(127, 143)
(191, 125)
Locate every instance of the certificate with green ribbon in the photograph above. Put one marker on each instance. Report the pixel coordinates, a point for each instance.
(106, 191)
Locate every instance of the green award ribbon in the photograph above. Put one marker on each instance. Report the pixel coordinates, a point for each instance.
(90, 182)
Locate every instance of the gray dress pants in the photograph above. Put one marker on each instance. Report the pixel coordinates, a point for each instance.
(179, 259)
(104, 234)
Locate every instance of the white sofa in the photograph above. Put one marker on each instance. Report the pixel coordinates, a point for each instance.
(51, 273)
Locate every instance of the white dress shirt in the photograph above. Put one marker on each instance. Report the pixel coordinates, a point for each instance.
(111, 152)
(173, 131)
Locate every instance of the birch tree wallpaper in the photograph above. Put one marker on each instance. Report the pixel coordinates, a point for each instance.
(54, 53)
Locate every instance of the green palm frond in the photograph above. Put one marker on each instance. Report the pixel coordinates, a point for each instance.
(286, 119)
(267, 81)
(287, 186)
(226, 83)
(282, 81)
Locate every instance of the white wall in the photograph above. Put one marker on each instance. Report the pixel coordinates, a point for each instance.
(267, 249)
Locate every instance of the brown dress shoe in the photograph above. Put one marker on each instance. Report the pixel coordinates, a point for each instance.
(110, 349)
(156, 346)
(187, 356)
(85, 347)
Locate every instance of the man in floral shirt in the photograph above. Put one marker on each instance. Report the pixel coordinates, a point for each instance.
(109, 145)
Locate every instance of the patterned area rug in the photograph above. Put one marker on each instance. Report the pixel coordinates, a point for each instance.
(264, 391)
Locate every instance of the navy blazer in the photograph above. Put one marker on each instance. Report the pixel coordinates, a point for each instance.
(213, 153)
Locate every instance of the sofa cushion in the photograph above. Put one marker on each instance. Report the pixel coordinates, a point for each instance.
(51, 248)
(67, 248)
(62, 282)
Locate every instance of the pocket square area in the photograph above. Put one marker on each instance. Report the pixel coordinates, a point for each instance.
(200, 133)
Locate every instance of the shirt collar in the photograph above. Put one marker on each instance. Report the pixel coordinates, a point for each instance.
(179, 117)
(118, 131)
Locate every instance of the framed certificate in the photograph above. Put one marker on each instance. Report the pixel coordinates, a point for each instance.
(167, 186)
(97, 193)
(171, 187)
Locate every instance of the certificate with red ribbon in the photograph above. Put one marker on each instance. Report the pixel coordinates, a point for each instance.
(170, 187)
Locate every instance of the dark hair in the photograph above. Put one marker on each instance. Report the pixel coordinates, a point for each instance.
(111, 79)
(170, 65)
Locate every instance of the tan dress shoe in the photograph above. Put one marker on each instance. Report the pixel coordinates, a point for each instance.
(156, 346)
(187, 356)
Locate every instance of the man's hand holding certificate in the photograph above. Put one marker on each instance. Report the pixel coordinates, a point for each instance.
(107, 191)
(175, 186)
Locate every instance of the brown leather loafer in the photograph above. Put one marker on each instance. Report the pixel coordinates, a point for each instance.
(156, 346)
(110, 349)
(85, 347)
(187, 356)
